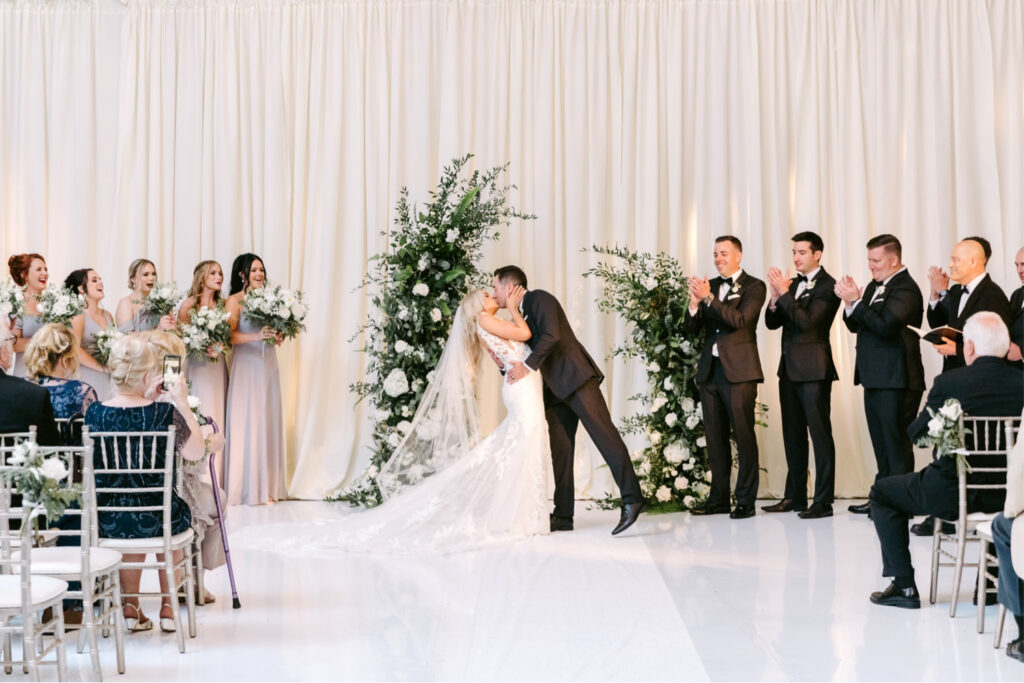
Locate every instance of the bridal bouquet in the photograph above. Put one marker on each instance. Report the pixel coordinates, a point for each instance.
(277, 308)
(59, 305)
(38, 478)
(207, 335)
(162, 299)
(12, 300)
(946, 433)
(105, 338)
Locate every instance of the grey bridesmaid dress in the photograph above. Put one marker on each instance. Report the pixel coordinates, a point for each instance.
(100, 381)
(29, 325)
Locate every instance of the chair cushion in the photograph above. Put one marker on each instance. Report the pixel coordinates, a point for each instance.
(979, 517)
(155, 544)
(44, 589)
(67, 561)
(984, 530)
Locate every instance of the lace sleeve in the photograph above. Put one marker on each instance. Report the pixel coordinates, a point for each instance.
(181, 430)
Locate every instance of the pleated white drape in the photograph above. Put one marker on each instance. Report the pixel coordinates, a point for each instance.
(190, 130)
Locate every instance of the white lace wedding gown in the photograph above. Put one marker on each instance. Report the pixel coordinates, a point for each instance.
(494, 494)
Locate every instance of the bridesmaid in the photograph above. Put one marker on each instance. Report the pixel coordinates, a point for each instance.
(254, 455)
(84, 326)
(129, 314)
(29, 272)
(208, 378)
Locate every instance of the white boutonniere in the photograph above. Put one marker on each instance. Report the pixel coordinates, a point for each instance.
(809, 286)
(735, 288)
(881, 290)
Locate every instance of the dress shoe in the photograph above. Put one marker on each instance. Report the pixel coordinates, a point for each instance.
(560, 523)
(785, 505)
(711, 510)
(1015, 649)
(898, 597)
(742, 512)
(630, 511)
(816, 511)
(926, 527)
(862, 509)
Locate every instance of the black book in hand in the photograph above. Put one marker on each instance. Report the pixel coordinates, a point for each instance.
(939, 335)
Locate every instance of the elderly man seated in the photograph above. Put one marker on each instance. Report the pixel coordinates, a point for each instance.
(1007, 533)
(987, 386)
(22, 403)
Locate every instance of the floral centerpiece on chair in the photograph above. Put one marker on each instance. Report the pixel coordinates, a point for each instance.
(946, 433)
(37, 474)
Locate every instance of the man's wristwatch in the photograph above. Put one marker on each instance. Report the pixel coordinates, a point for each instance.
(708, 299)
(942, 294)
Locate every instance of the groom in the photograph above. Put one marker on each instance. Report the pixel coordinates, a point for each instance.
(571, 395)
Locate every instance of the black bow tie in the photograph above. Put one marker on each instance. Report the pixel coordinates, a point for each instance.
(800, 278)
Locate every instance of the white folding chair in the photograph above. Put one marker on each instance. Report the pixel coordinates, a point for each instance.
(95, 567)
(10, 439)
(989, 440)
(23, 597)
(146, 459)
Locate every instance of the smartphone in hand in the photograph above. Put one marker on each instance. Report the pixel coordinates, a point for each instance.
(172, 369)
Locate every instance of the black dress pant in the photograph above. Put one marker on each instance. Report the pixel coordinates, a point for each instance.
(889, 413)
(727, 405)
(588, 406)
(807, 407)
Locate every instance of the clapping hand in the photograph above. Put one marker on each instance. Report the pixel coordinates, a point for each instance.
(938, 280)
(847, 290)
(699, 289)
(779, 282)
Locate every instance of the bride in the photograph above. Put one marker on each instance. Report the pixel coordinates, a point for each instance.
(445, 489)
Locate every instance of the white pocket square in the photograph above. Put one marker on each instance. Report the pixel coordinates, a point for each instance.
(734, 296)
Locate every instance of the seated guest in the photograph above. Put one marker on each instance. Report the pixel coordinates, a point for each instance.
(51, 360)
(22, 403)
(1008, 538)
(1017, 314)
(136, 378)
(985, 387)
(196, 489)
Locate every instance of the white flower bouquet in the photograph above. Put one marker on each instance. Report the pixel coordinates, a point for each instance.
(37, 474)
(105, 339)
(12, 300)
(59, 305)
(277, 308)
(162, 299)
(946, 433)
(207, 334)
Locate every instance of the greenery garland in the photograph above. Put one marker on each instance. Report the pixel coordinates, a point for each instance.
(414, 288)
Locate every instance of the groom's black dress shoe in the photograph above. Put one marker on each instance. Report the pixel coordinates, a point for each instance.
(711, 510)
(816, 511)
(897, 597)
(630, 511)
(560, 523)
(785, 505)
(862, 509)
(742, 512)
(1015, 649)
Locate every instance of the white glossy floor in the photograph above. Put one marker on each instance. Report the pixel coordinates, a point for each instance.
(681, 597)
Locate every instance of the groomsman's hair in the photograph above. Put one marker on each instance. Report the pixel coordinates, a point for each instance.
(812, 237)
(511, 275)
(986, 246)
(735, 241)
(890, 242)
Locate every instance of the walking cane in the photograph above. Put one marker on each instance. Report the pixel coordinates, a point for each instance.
(223, 530)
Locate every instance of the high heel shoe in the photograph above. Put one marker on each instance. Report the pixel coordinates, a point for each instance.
(133, 624)
(166, 623)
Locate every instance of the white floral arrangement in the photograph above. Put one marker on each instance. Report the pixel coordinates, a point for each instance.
(207, 334)
(414, 289)
(162, 299)
(12, 300)
(60, 305)
(212, 442)
(946, 433)
(277, 308)
(104, 340)
(36, 473)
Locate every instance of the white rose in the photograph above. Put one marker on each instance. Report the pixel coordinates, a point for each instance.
(403, 313)
(212, 325)
(654, 367)
(451, 236)
(435, 315)
(687, 466)
(692, 421)
(396, 383)
(951, 411)
(688, 501)
(420, 289)
(644, 468)
(372, 471)
(394, 440)
(655, 438)
(54, 468)
(671, 419)
(193, 402)
(650, 283)
(686, 346)
(431, 375)
(702, 442)
(659, 403)
(401, 346)
(423, 263)
(669, 386)
(404, 426)
(60, 308)
(673, 454)
(707, 476)
(681, 483)
(688, 405)
(663, 494)
(935, 426)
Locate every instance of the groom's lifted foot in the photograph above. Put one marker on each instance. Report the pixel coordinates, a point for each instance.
(560, 523)
(630, 511)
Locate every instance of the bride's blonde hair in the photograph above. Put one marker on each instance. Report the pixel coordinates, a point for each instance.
(467, 315)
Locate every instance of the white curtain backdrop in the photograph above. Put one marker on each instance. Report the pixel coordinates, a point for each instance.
(189, 130)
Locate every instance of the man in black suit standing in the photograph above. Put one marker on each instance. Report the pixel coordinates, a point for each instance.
(728, 373)
(974, 292)
(888, 363)
(805, 308)
(985, 387)
(22, 403)
(572, 395)
(1017, 315)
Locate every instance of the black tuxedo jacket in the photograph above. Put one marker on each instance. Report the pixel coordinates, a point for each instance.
(1017, 319)
(805, 323)
(986, 388)
(23, 404)
(987, 296)
(732, 324)
(888, 354)
(563, 362)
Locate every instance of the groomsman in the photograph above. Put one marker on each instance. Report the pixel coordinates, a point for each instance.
(805, 308)
(728, 373)
(974, 292)
(888, 363)
(1017, 315)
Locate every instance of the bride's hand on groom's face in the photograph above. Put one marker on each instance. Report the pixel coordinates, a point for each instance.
(515, 297)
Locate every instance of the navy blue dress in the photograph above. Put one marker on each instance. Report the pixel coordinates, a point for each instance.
(70, 397)
(152, 418)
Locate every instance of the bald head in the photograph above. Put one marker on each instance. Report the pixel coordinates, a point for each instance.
(967, 261)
